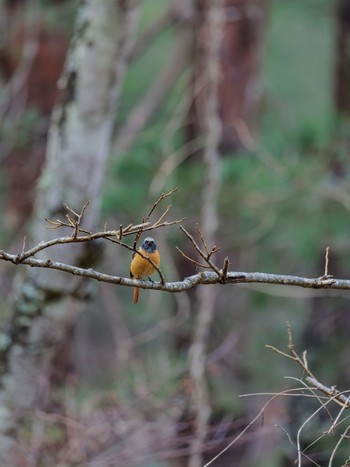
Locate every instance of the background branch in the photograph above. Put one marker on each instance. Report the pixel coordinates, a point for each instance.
(143, 112)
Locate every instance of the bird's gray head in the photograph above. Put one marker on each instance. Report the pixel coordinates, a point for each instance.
(149, 245)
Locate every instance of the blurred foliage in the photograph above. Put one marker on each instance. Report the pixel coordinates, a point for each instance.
(280, 206)
(282, 196)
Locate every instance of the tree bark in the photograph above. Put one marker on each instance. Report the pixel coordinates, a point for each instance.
(241, 53)
(79, 143)
(342, 65)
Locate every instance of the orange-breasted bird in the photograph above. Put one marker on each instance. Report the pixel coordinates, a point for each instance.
(140, 267)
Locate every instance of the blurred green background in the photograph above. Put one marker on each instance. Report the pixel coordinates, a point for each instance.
(280, 205)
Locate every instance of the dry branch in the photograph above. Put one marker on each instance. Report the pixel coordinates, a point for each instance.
(215, 276)
(206, 254)
(204, 278)
(331, 392)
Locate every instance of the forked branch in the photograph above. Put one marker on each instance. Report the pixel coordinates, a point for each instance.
(206, 254)
(330, 392)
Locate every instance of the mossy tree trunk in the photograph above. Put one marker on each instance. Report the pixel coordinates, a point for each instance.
(47, 303)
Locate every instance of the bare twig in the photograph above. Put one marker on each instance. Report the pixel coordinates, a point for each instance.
(326, 262)
(75, 223)
(300, 392)
(225, 270)
(300, 452)
(293, 354)
(340, 440)
(336, 420)
(24, 244)
(110, 235)
(205, 255)
(330, 392)
(160, 199)
(201, 265)
(158, 222)
(246, 428)
(163, 215)
(122, 232)
(326, 276)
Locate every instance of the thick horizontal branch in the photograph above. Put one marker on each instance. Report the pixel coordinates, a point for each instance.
(207, 277)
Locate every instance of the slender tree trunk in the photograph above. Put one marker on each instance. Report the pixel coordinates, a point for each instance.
(79, 143)
(241, 53)
(342, 65)
(211, 126)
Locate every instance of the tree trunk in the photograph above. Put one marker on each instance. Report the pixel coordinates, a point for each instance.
(79, 143)
(240, 89)
(342, 65)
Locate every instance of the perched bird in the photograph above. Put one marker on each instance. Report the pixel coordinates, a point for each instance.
(140, 267)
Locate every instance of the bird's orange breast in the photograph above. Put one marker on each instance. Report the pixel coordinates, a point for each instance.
(140, 267)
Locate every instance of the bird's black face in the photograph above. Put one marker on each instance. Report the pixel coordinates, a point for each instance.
(149, 245)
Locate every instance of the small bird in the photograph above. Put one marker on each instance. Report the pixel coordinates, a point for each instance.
(140, 267)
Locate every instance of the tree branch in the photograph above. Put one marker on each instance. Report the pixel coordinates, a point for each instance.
(204, 278)
(331, 392)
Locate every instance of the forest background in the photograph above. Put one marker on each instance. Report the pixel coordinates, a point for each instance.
(243, 107)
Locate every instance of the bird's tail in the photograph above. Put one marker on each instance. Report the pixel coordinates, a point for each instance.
(135, 297)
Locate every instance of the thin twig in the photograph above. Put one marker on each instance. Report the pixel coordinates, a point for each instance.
(201, 265)
(158, 222)
(326, 262)
(340, 440)
(163, 215)
(246, 428)
(202, 240)
(162, 196)
(334, 424)
(225, 270)
(24, 244)
(205, 256)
